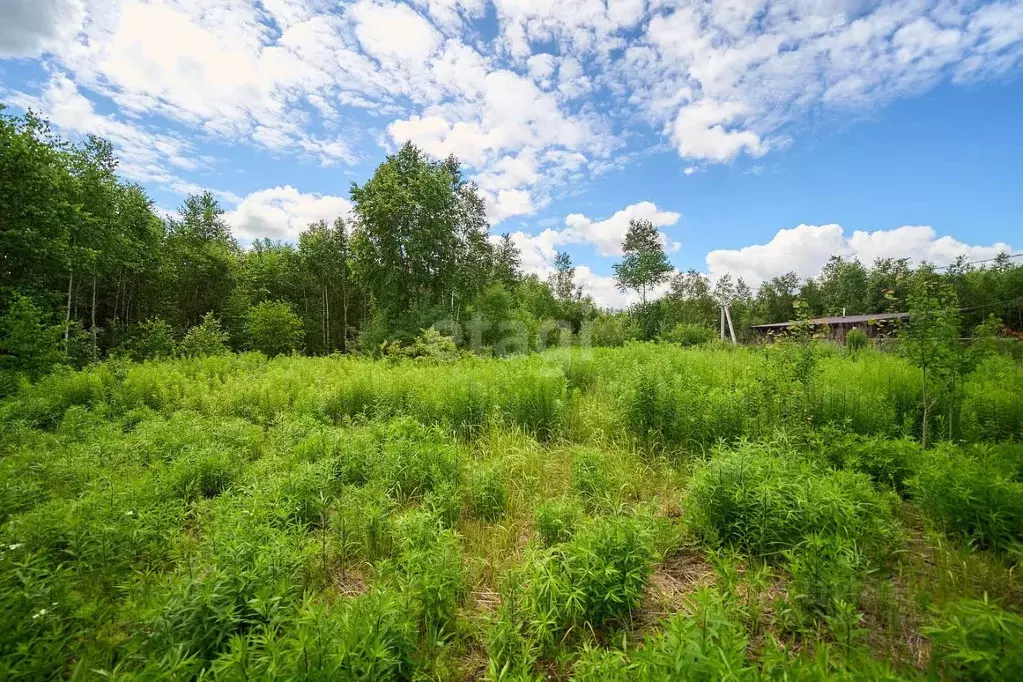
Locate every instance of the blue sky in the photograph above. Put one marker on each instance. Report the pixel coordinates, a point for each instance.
(759, 136)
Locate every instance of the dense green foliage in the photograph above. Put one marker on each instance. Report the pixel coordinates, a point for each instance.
(648, 512)
(340, 459)
(90, 269)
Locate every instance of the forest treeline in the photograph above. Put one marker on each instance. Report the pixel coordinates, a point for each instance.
(89, 268)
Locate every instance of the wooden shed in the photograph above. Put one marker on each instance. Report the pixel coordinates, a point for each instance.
(877, 325)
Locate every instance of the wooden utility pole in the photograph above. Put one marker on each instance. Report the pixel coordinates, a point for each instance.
(728, 316)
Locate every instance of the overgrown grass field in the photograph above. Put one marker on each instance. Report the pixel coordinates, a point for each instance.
(639, 513)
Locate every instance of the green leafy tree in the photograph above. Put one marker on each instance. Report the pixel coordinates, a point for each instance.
(507, 262)
(420, 239)
(326, 258)
(202, 259)
(644, 264)
(206, 338)
(930, 341)
(152, 339)
(776, 296)
(28, 345)
(273, 328)
(562, 280)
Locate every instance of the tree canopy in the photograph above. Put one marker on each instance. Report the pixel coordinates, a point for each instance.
(89, 268)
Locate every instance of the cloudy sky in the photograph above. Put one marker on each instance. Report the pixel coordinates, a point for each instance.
(760, 136)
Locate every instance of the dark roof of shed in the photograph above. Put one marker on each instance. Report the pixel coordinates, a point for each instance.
(848, 319)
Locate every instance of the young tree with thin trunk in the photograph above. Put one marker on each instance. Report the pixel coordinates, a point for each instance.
(644, 264)
(930, 341)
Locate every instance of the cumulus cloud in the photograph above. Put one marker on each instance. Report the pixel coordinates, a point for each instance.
(145, 155)
(725, 78)
(806, 248)
(605, 236)
(563, 92)
(28, 28)
(283, 213)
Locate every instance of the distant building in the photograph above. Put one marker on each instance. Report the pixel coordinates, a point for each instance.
(836, 328)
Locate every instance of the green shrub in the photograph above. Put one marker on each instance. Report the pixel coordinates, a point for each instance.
(429, 346)
(970, 496)
(856, 340)
(79, 345)
(612, 330)
(428, 570)
(255, 573)
(487, 490)
(764, 502)
(707, 645)
(556, 520)
(36, 626)
(27, 344)
(687, 335)
(888, 462)
(975, 639)
(368, 637)
(825, 572)
(407, 458)
(511, 653)
(203, 474)
(596, 578)
(363, 524)
(152, 339)
(273, 328)
(304, 494)
(204, 339)
(415, 460)
(670, 411)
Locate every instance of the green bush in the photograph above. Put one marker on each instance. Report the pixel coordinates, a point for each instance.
(596, 578)
(152, 339)
(764, 502)
(428, 571)
(368, 637)
(612, 330)
(204, 339)
(825, 572)
(27, 344)
(856, 340)
(79, 345)
(203, 474)
(671, 411)
(707, 645)
(975, 639)
(889, 462)
(970, 496)
(487, 490)
(273, 328)
(556, 520)
(687, 335)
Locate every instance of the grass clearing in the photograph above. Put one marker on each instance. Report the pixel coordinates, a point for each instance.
(645, 512)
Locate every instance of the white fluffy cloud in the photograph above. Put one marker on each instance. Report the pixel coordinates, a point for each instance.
(806, 248)
(283, 213)
(725, 78)
(605, 236)
(145, 155)
(29, 28)
(565, 90)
